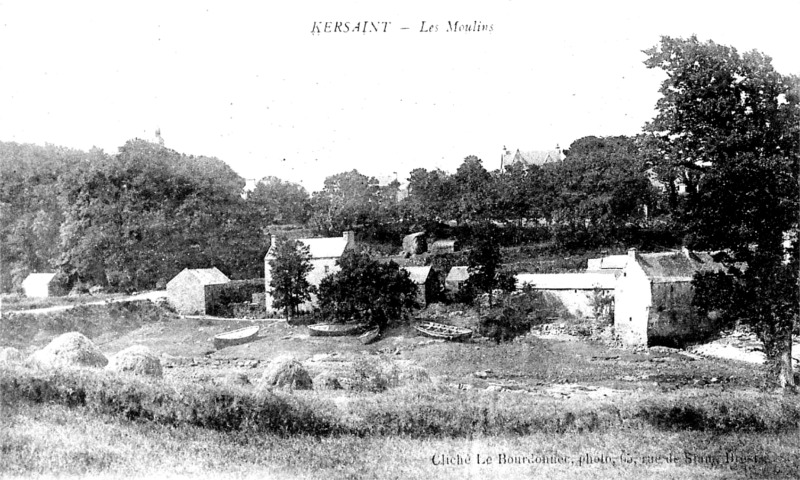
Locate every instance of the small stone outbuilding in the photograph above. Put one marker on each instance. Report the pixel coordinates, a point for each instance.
(455, 278)
(653, 298)
(444, 246)
(186, 292)
(415, 243)
(424, 279)
(40, 285)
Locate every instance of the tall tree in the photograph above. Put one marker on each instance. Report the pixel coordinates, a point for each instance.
(289, 269)
(346, 201)
(475, 193)
(485, 261)
(731, 124)
(280, 202)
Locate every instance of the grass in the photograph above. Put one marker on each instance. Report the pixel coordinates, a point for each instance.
(97, 424)
(21, 302)
(51, 439)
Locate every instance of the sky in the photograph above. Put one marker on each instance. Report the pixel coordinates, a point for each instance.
(251, 84)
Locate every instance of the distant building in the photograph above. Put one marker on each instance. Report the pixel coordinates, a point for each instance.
(455, 278)
(424, 279)
(40, 285)
(444, 246)
(415, 243)
(653, 298)
(528, 158)
(324, 254)
(186, 291)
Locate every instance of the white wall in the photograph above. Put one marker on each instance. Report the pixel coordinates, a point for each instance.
(632, 301)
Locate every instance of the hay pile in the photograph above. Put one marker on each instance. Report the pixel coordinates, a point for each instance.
(286, 372)
(326, 381)
(137, 360)
(71, 349)
(10, 355)
(234, 380)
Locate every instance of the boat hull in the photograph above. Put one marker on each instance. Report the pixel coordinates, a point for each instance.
(442, 331)
(235, 337)
(370, 336)
(334, 330)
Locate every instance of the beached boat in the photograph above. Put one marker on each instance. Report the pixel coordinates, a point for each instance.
(235, 337)
(334, 329)
(440, 330)
(370, 335)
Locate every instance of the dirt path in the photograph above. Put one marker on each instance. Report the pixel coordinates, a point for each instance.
(152, 296)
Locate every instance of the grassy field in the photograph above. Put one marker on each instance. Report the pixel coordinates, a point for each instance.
(536, 407)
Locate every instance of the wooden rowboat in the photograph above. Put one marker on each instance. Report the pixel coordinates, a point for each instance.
(440, 330)
(235, 337)
(334, 329)
(370, 335)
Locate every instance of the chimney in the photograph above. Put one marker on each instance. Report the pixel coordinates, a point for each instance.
(632, 252)
(350, 238)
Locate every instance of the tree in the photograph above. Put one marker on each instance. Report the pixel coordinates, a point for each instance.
(280, 202)
(485, 261)
(347, 200)
(474, 191)
(289, 269)
(729, 126)
(366, 290)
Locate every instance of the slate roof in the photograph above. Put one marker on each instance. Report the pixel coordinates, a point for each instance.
(611, 262)
(37, 279)
(418, 275)
(208, 276)
(457, 274)
(567, 281)
(677, 266)
(532, 157)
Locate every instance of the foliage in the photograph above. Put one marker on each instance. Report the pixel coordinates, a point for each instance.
(365, 289)
(351, 199)
(276, 201)
(515, 315)
(289, 270)
(602, 303)
(484, 261)
(729, 127)
(220, 298)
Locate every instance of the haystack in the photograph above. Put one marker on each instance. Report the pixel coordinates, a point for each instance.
(10, 355)
(71, 349)
(326, 381)
(286, 372)
(138, 360)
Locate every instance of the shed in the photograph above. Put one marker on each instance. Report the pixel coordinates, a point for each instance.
(444, 246)
(577, 292)
(653, 299)
(456, 278)
(325, 252)
(186, 291)
(425, 281)
(415, 243)
(39, 285)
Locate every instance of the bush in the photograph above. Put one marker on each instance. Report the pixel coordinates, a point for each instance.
(221, 297)
(515, 315)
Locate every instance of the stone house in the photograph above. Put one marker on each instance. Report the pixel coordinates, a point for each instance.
(39, 285)
(577, 292)
(186, 291)
(325, 252)
(653, 298)
(425, 280)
